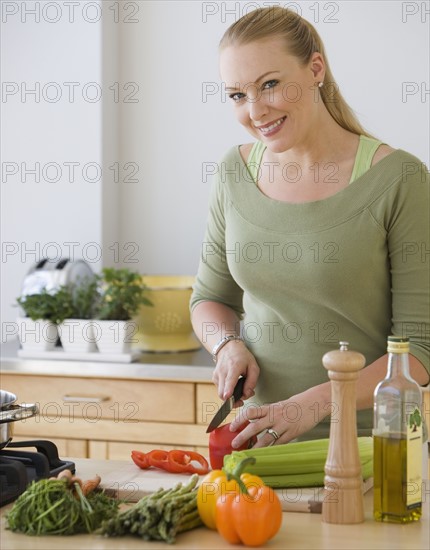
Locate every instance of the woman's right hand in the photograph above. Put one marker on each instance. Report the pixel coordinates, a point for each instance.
(234, 360)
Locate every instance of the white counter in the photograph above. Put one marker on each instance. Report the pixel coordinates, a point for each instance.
(196, 366)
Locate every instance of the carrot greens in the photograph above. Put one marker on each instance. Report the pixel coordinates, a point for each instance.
(50, 507)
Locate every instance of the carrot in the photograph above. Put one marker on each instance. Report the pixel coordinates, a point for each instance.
(77, 480)
(85, 486)
(66, 475)
(91, 484)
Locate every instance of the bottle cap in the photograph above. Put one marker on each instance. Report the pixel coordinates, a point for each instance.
(398, 344)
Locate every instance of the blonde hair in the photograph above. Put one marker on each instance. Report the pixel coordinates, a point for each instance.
(302, 40)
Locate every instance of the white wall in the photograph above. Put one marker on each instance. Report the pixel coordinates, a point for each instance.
(43, 213)
(173, 131)
(162, 54)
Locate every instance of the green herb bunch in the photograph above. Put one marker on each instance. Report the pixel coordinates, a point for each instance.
(85, 297)
(54, 307)
(48, 507)
(122, 294)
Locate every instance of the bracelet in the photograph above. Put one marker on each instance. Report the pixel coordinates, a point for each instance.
(223, 342)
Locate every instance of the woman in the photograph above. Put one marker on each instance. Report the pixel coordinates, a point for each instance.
(309, 238)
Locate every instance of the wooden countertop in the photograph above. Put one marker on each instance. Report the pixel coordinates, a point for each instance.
(298, 531)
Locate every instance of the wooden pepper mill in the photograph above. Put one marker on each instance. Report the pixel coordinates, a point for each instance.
(343, 494)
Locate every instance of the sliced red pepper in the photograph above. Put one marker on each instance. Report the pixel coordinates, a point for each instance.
(178, 461)
(175, 461)
(185, 462)
(140, 459)
(159, 459)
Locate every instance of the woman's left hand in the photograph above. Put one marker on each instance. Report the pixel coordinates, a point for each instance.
(285, 420)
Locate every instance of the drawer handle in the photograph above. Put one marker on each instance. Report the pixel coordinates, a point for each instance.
(85, 398)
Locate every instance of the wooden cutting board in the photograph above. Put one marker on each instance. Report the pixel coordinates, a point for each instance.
(127, 481)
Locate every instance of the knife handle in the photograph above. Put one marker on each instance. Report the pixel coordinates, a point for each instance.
(238, 389)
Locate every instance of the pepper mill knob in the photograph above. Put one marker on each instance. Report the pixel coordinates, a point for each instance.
(343, 483)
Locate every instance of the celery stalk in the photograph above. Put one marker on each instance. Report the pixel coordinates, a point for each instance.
(299, 464)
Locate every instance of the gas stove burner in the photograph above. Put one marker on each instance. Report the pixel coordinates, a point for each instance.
(18, 468)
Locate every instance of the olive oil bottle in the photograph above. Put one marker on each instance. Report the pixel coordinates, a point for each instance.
(398, 439)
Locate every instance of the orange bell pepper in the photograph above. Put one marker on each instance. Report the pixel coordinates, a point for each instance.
(239, 506)
(249, 518)
(218, 484)
(212, 486)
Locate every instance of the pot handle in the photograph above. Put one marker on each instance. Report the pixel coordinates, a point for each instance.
(19, 412)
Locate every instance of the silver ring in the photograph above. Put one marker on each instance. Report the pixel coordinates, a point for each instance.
(274, 434)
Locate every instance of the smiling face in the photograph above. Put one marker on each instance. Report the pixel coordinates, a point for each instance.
(275, 97)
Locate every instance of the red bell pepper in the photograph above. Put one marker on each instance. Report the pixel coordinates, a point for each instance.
(220, 444)
(175, 461)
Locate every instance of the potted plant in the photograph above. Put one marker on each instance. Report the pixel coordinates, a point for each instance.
(122, 295)
(44, 312)
(77, 331)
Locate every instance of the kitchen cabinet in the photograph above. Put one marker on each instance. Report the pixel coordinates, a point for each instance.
(104, 419)
(103, 411)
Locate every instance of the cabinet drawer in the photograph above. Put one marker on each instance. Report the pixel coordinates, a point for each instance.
(208, 404)
(154, 433)
(93, 399)
(67, 448)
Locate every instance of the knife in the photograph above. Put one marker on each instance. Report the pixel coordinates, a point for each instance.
(227, 406)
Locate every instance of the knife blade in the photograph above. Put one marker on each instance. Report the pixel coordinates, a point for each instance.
(227, 406)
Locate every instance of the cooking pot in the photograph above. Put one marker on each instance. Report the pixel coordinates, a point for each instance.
(50, 275)
(9, 413)
(7, 399)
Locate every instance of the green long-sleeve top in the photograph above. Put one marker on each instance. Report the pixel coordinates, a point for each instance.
(353, 266)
